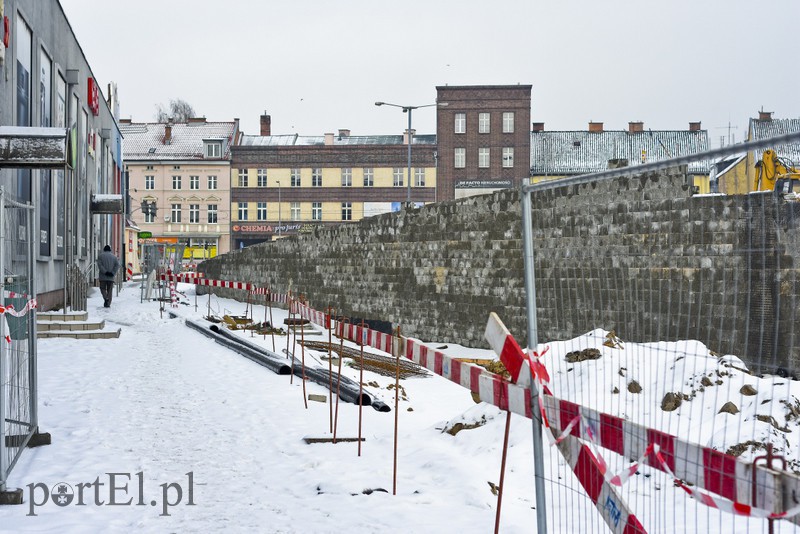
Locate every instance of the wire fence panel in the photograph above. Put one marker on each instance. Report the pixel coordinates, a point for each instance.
(669, 321)
(17, 339)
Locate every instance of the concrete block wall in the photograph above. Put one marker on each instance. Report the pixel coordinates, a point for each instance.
(638, 255)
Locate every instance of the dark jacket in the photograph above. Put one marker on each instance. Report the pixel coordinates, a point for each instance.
(107, 266)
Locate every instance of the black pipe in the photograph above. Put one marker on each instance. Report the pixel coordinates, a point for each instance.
(276, 365)
(348, 390)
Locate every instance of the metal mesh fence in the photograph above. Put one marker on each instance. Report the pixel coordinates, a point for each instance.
(17, 334)
(669, 321)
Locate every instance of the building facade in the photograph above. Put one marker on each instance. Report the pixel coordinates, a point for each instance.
(282, 185)
(184, 170)
(47, 82)
(483, 138)
(558, 154)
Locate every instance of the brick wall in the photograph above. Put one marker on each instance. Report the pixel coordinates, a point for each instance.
(636, 255)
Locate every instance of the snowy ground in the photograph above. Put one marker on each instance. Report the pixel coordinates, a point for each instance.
(163, 401)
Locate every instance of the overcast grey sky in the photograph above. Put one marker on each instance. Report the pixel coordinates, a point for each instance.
(317, 65)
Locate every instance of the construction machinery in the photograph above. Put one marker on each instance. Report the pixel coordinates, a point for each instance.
(774, 174)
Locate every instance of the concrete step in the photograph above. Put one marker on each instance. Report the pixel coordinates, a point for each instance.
(61, 316)
(80, 334)
(44, 326)
(75, 325)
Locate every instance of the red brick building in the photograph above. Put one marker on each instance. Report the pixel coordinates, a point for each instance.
(483, 137)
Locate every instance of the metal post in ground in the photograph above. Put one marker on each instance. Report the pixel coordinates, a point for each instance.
(3, 352)
(533, 340)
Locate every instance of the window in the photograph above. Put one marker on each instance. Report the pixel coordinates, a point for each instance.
(212, 214)
(294, 211)
(194, 182)
(242, 177)
(369, 177)
(508, 156)
(150, 182)
(316, 211)
(483, 158)
(176, 182)
(149, 217)
(461, 123)
(508, 122)
(261, 211)
(397, 177)
(149, 168)
(347, 211)
(262, 178)
(175, 213)
(194, 213)
(460, 158)
(176, 167)
(419, 177)
(242, 211)
(213, 150)
(316, 177)
(212, 182)
(347, 177)
(483, 123)
(295, 178)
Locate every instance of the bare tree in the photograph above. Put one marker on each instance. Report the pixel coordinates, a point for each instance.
(179, 111)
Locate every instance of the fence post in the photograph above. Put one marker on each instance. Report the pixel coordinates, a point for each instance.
(533, 341)
(3, 352)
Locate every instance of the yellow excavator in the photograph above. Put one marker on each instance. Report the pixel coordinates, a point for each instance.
(772, 170)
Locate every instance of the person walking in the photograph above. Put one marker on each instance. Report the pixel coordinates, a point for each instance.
(107, 267)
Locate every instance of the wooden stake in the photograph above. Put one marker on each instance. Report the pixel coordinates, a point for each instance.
(303, 365)
(342, 320)
(330, 366)
(396, 410)
(502, 474)
(360, 384)
(271, 324)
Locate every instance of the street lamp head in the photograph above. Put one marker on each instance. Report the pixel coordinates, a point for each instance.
(379, 103)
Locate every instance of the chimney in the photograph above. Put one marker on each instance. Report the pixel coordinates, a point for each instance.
(125, 121)
(168, 133)
(196, 119)
(405, 135)
(694, 126)
(595, 127)
(344, 133)
(537, 127)
(266, 124)
(328, 138)
(765, 115)
(635, 127)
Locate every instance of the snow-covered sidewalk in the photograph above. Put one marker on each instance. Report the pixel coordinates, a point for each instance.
(167, 408)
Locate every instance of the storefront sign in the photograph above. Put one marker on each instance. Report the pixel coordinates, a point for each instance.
(483, 184)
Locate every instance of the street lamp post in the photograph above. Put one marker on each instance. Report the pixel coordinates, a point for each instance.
(279, 206)
(409, 109)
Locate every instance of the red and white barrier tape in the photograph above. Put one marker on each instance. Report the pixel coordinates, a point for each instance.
(8, 309)
(589, 468)
(703, 467)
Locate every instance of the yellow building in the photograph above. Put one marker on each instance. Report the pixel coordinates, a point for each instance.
(288, 184)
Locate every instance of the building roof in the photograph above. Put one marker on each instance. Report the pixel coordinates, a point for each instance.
(565, 153)
(306, 140)
(145, 140)
(764, 129)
